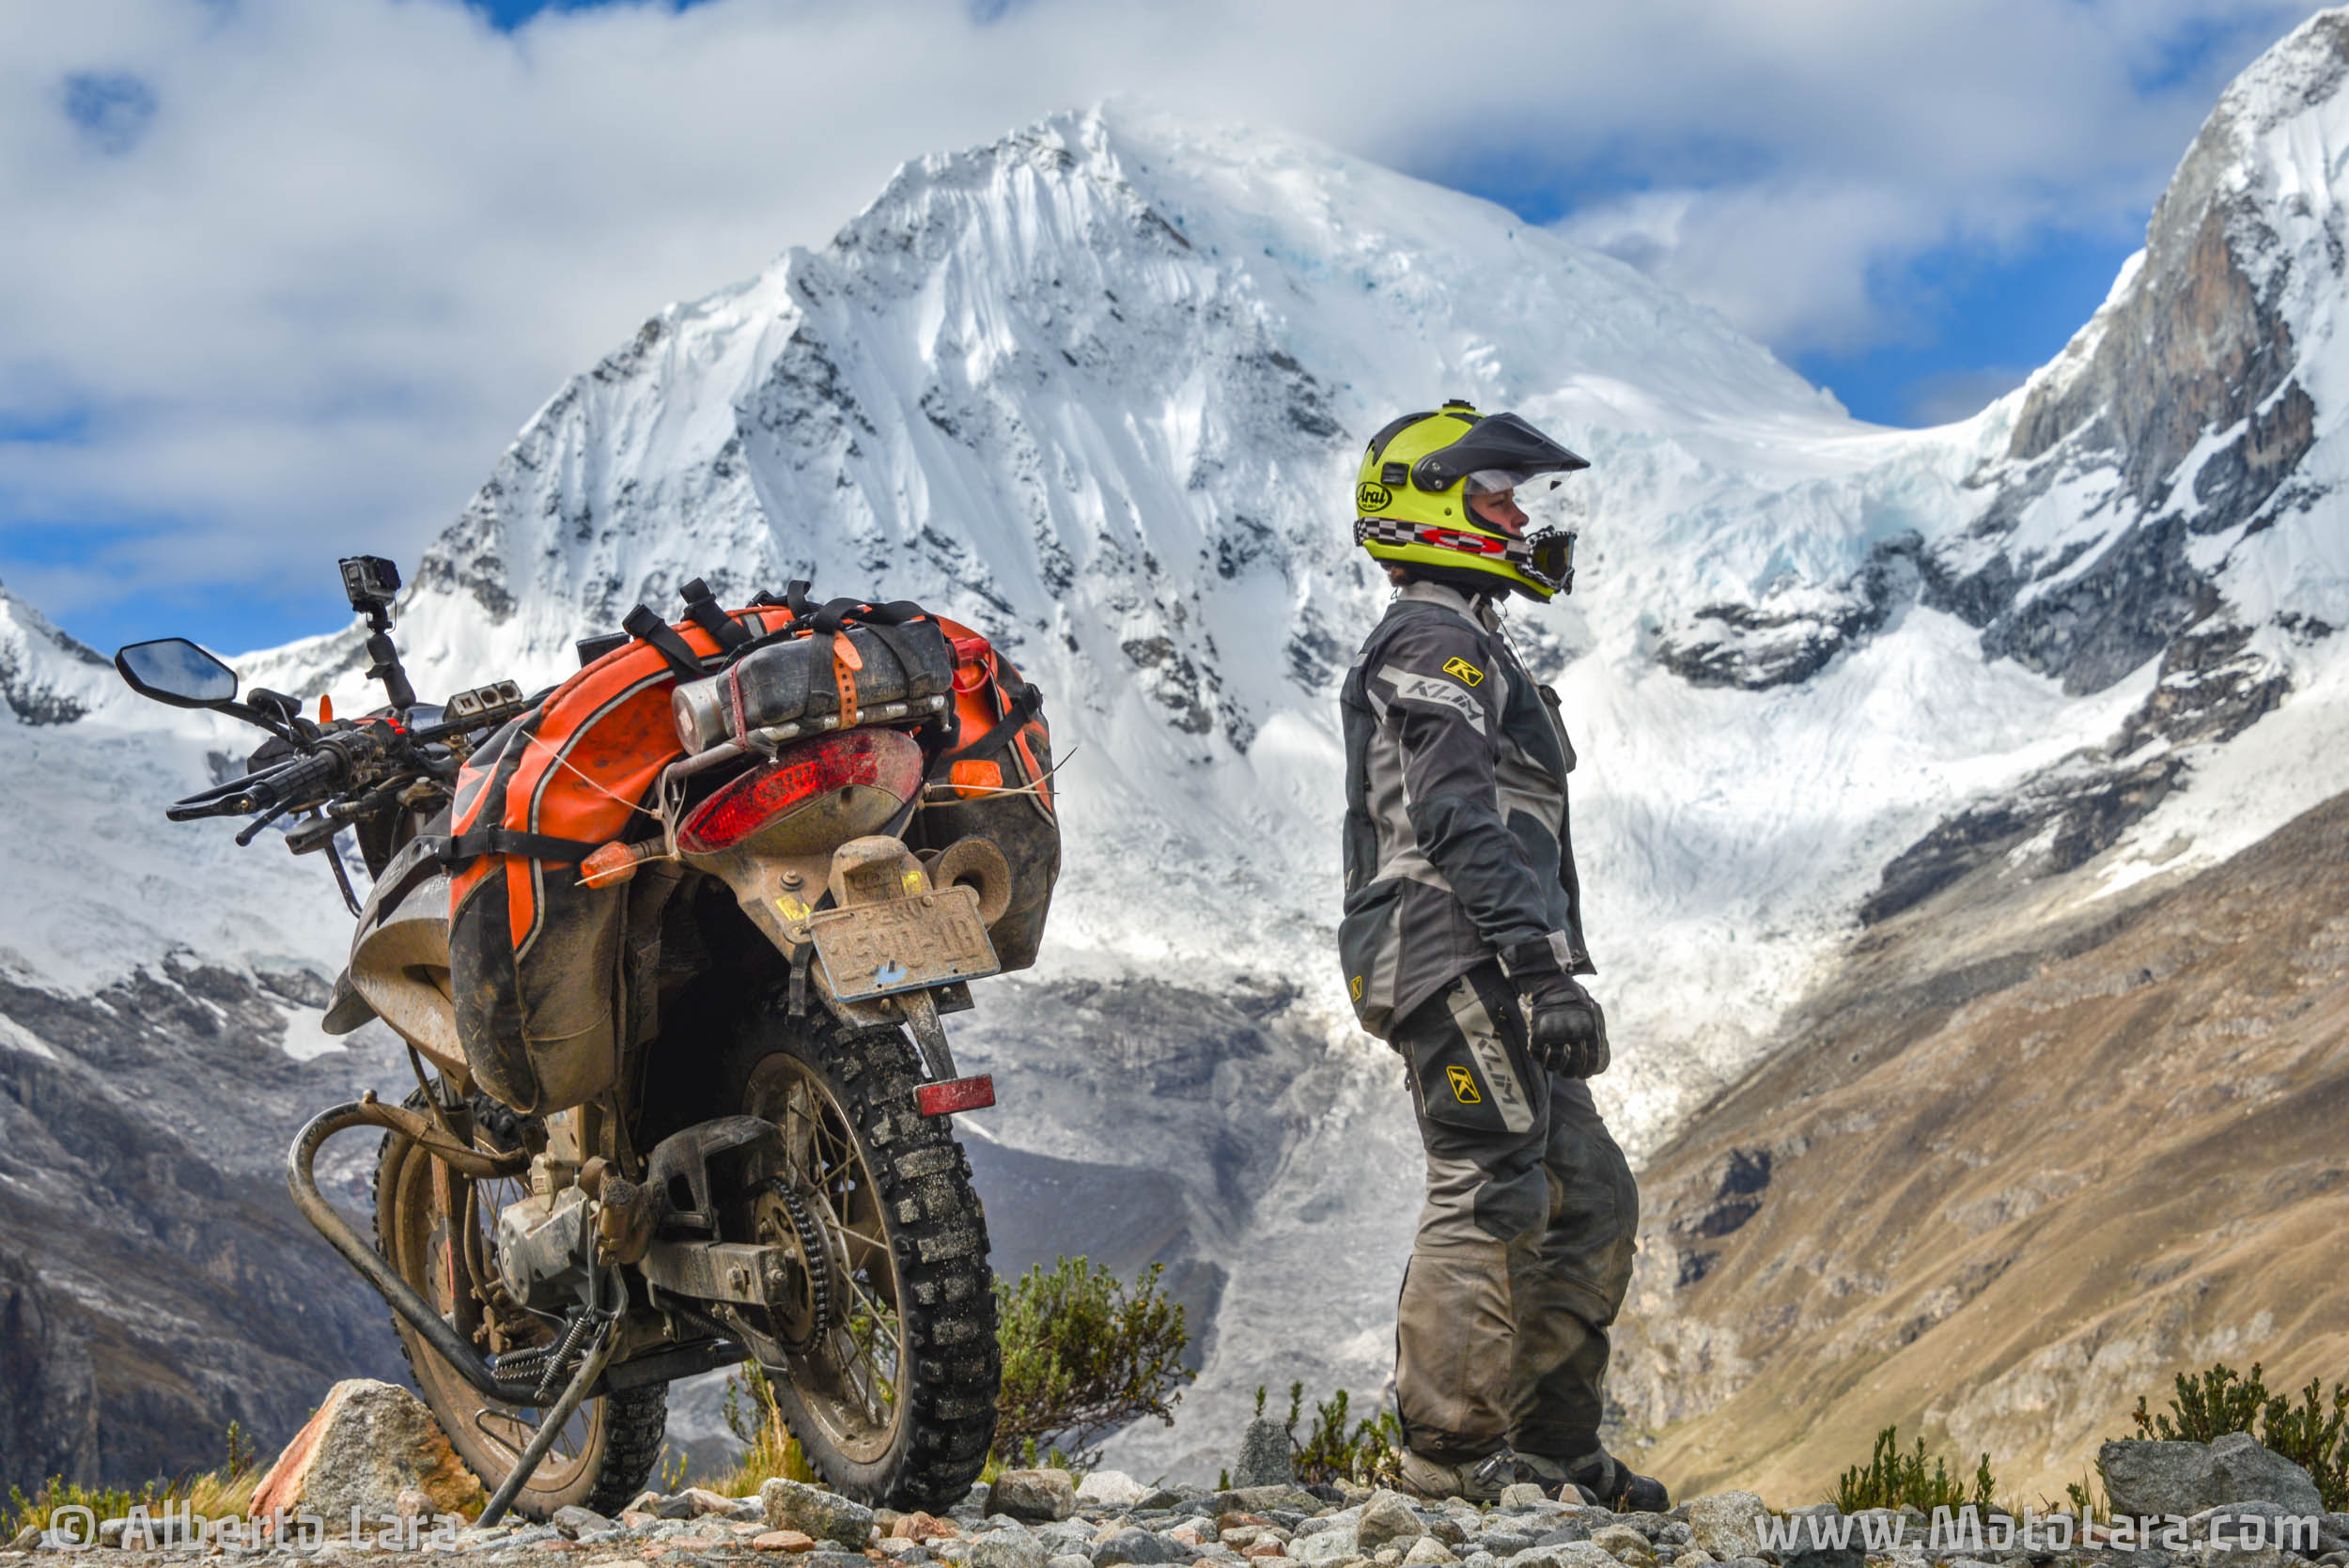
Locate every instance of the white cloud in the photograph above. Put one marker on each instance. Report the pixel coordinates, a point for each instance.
(303, 289)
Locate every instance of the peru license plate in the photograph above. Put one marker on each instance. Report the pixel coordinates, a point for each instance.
(903, 944)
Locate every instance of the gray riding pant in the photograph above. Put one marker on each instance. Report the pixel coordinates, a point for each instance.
(1525, 1241)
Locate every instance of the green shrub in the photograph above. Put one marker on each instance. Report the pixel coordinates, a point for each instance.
(1891, 1479)
(1330, 1450)
(770, 1452)
(1084, 1354)
(2313, 1433)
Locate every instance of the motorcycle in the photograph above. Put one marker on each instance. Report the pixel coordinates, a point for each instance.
(701, 1111)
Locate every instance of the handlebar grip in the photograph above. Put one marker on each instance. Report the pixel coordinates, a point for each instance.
(295, 779)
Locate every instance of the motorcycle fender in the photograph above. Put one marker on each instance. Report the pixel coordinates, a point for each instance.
(399, 967)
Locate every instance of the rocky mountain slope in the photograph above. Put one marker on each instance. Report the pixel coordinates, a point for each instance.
(1100, 389)
(2030, 1154)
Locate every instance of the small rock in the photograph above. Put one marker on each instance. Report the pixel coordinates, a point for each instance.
(824, 1515)
(1622, 1540)
(1804, 1554)
(27, 1539)
(1134, 1544)
(1693, 1557)
(1568, 1554)
(1034, 1497)
(1522, 1494)
(1068, 1560)
(1386, 1520)
(1727, 1525)
(1006, 1548)
(1265, 1456)
(922, 1526)
(1561, 1530)
(575, 1521)
(1331, 1544)
(1427, 1552)
(1109, 1489)
(783, 1541)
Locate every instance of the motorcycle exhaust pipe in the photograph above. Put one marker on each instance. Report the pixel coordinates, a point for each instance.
(302, 1181)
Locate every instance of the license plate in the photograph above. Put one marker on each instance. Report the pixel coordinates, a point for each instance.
(904, 944)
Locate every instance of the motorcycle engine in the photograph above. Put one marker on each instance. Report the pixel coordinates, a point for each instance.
(545, 1240)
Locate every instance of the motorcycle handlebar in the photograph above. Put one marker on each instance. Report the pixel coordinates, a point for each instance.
(331, 765)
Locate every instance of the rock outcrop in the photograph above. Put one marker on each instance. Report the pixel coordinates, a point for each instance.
(372, 1450)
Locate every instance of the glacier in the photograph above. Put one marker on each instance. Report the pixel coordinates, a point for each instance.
(1100, 389)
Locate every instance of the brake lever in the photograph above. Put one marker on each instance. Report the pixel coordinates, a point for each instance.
(262, 821)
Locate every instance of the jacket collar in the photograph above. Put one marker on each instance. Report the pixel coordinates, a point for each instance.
(1479, 609)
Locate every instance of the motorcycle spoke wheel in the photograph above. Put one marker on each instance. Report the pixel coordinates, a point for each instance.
(889, 1368)
(847, 1372)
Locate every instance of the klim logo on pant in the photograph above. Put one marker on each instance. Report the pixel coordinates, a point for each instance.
(1464, 1086)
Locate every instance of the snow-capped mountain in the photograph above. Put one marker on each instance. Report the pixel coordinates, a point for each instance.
(1100, 388)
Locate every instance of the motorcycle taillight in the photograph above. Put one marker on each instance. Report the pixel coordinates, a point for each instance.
(882, 760)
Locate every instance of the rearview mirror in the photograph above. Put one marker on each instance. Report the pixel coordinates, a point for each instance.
(174, 670)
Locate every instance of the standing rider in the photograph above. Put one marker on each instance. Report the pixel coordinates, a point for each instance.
(1461, 937)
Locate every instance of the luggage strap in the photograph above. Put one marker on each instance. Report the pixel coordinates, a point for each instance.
(701, 607)
(1026, 701)
(646, 627)
(462, 848)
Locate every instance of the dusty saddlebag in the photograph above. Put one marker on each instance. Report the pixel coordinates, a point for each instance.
(991, 779)
(535, 955)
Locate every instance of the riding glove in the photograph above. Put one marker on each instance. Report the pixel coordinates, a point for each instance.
(1564, 1025)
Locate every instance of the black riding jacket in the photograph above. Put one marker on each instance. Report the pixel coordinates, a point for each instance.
(1457, 840)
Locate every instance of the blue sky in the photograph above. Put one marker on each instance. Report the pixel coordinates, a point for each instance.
(289, 274)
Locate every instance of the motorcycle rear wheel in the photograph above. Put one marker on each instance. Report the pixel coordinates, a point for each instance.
(892, 1398)
(606, 1451)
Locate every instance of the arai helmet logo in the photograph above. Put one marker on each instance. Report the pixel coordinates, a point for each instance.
(1373, 498)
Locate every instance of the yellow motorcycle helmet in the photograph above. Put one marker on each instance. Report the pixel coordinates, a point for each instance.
(1412, 499)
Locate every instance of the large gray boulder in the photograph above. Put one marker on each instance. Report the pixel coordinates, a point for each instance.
(2244, 1470)
(2161, 1479)
(1266, 1458)
(2143, 1477)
